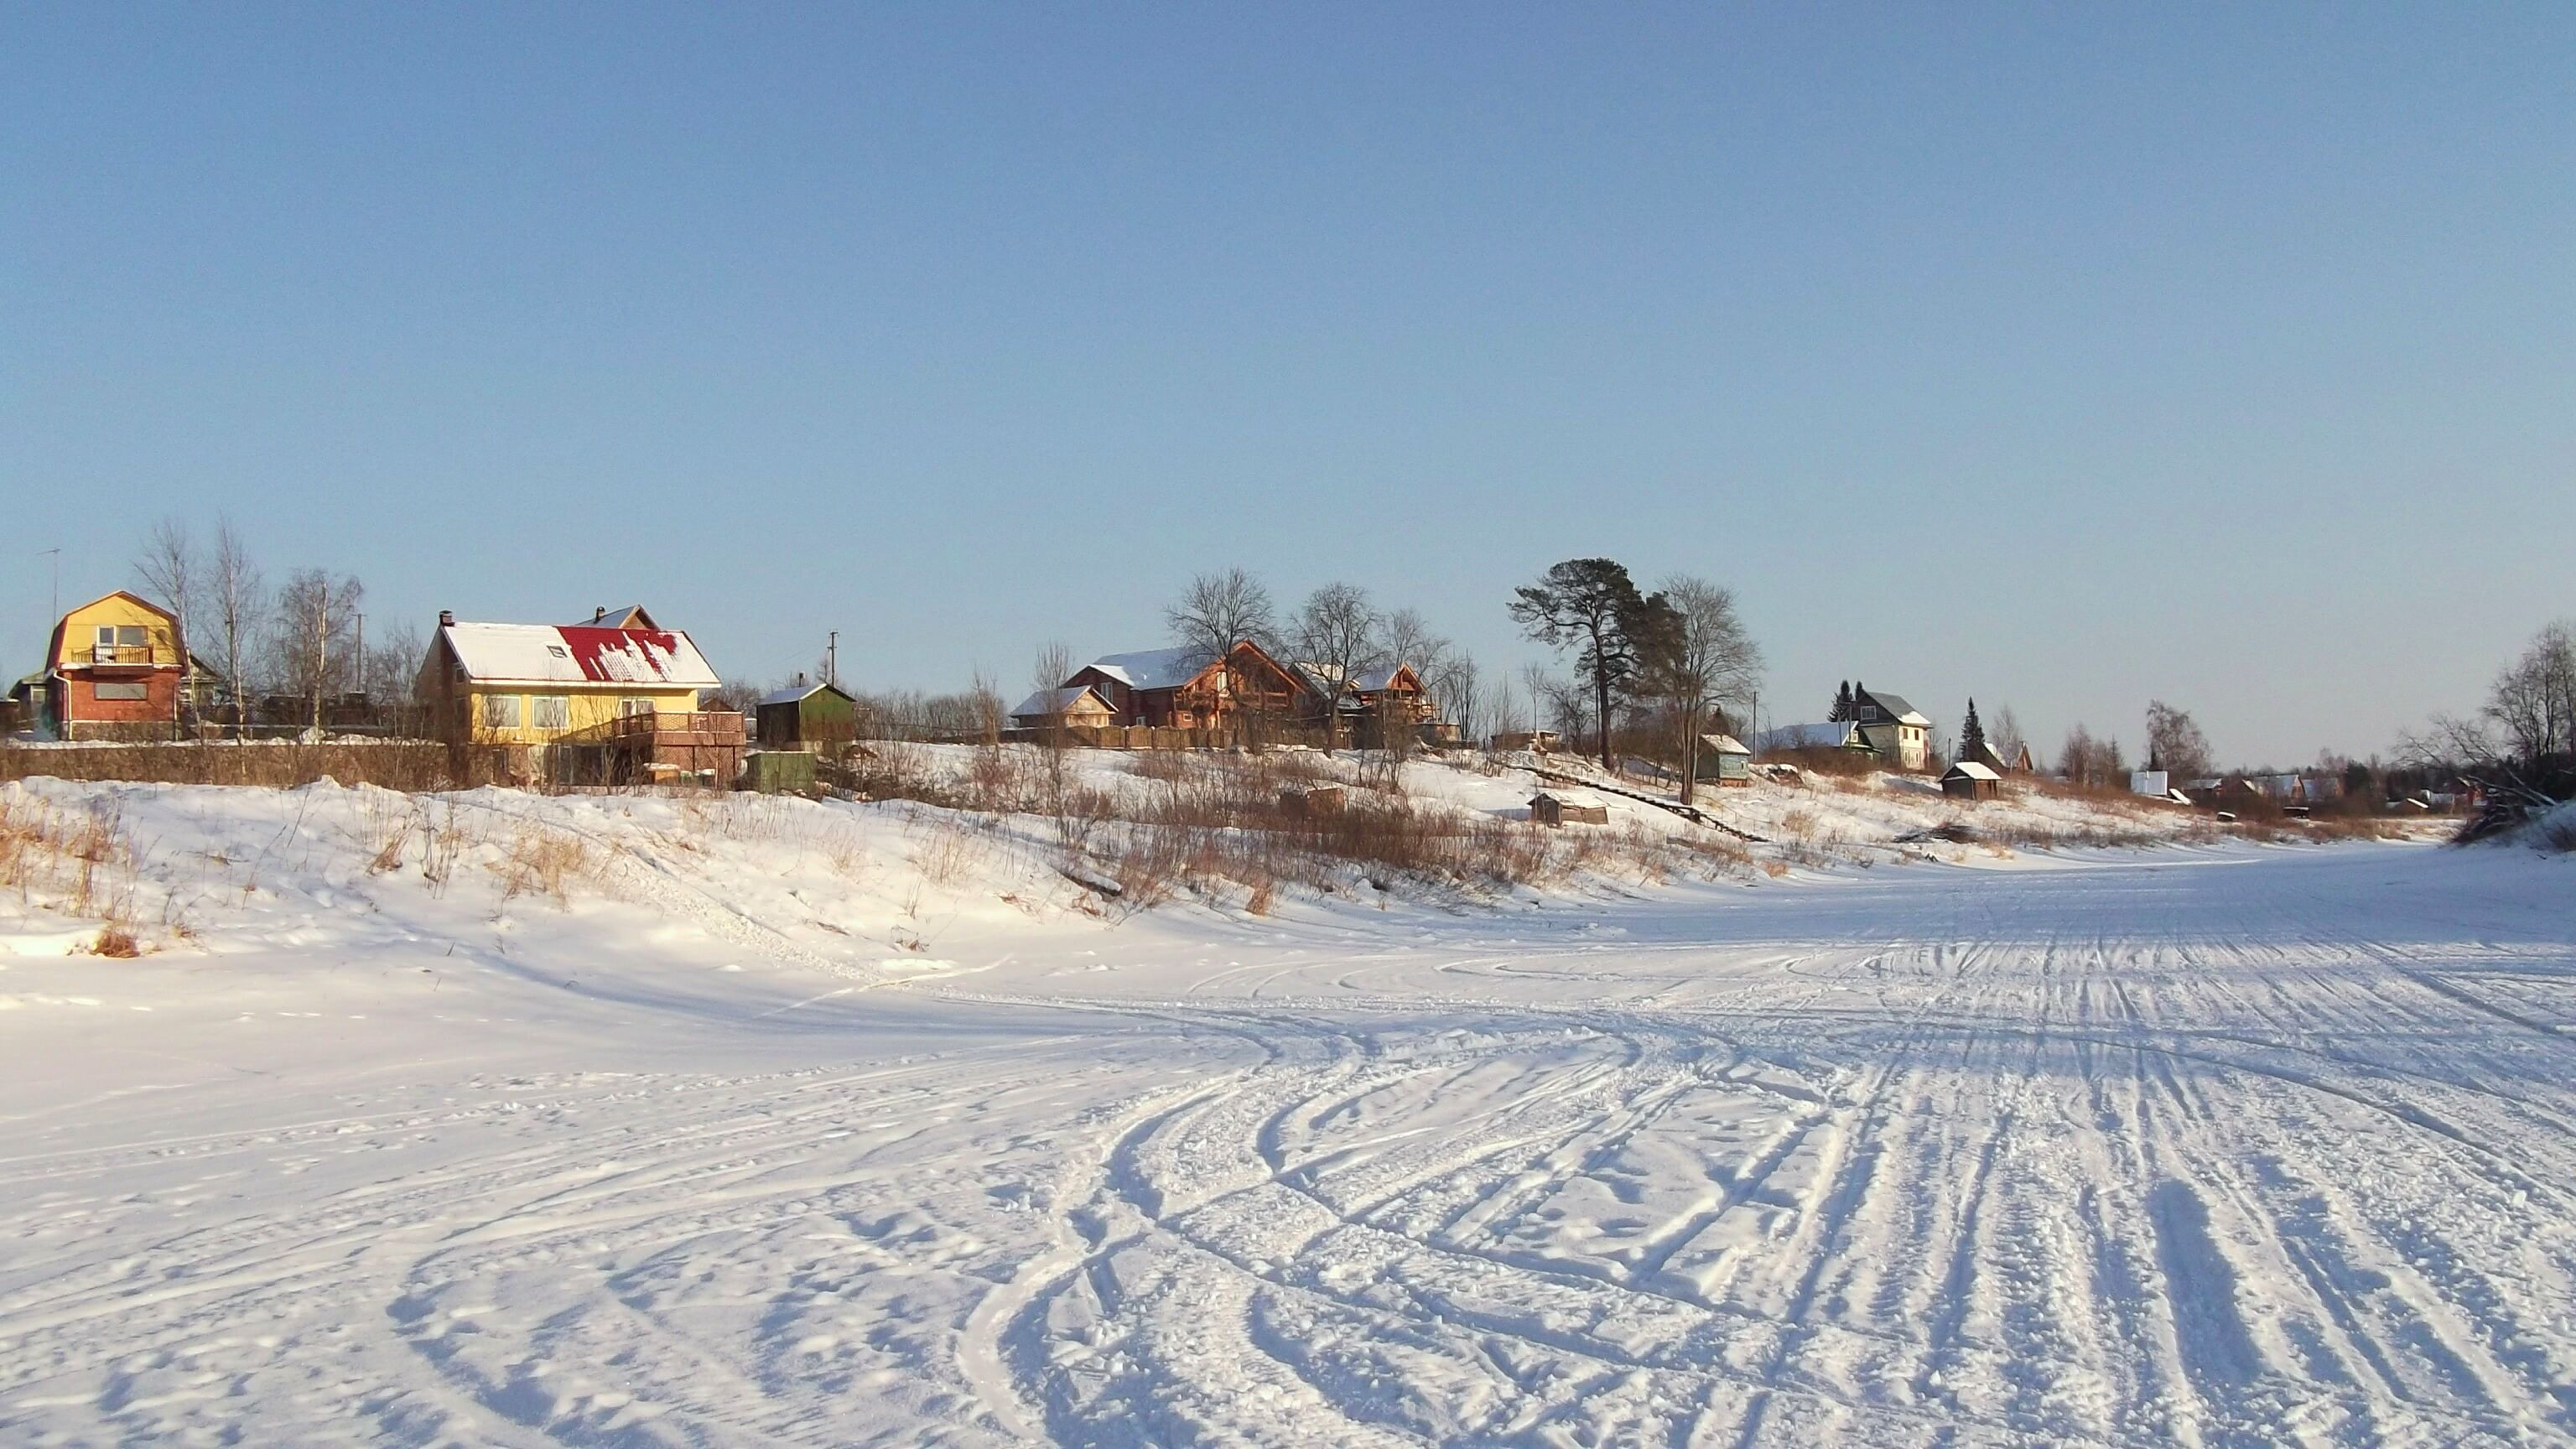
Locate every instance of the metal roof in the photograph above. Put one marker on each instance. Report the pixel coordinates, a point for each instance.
(577, 654)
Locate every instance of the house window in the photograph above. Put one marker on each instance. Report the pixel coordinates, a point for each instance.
(551, 712)
(500, 711)
(557, 650)
(107, 691)
(634, 706)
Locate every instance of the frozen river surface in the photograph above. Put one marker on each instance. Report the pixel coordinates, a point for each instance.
(2250, 1147)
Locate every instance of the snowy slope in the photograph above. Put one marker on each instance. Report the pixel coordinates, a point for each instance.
(767, 1122)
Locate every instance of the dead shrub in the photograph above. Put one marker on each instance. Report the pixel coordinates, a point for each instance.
(542, 861)
(115, 941)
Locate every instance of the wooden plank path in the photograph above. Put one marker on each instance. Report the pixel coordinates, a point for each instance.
(1691, 813)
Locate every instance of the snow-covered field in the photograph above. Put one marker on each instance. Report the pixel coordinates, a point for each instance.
(642, 1122)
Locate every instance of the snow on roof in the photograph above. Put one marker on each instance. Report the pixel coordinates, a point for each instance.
(1370, 681)
(1048, 702)
(796, 693)
(1725, 744)
(1155, 668)
(1974, 771)
(1834, 735)
(577, 654)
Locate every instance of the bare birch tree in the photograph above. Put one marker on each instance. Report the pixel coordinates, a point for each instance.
(236, 609)
(315, 615)
(2175, 743)
(172, 575)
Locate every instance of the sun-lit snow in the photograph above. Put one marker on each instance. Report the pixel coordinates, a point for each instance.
(638, 1120)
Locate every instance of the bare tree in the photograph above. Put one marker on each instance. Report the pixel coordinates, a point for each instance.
(393, 675)
(1219, 610)
(172, 575)
(1456, 696)
(2004, 735)
(1337, 636)
(2533, 701)
(313, 620)
(2175, 743)
(2095, 763)
(1707, 662)
(984, 705)
(236, 608)
(1054, 666)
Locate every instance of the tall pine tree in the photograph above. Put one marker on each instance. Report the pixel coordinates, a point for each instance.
(1842, 704)
(1972, 736)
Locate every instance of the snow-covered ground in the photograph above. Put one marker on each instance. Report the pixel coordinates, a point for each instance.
(634, 1121)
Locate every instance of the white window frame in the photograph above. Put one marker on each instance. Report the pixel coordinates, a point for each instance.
(501, 712)
(550, 712)
(635, 705)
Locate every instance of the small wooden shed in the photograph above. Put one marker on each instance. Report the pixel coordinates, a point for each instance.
(1723, 760)
(1968, 780)
(816, 716)
(1547, 809)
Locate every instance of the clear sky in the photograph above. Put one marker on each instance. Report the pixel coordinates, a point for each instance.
(2065, 356)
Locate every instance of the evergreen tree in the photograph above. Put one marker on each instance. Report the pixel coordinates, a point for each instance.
(1842, 709)
(1972, 736)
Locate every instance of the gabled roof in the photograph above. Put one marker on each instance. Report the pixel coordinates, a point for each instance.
(1155, 668)
(1891, 705)
(576, 654)
(633, 616)
(1724, 744)
(798, 693)
(1837, 735)
(1971, 770)
(1049, 702)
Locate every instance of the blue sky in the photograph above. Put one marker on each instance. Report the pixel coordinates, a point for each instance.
(2061, 357)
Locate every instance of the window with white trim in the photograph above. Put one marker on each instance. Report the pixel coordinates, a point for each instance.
(551, 712)
(500, 711)
(632, 705)
(108, 690)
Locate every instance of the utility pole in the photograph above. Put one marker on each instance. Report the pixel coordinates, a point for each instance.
(55, 603)
(362, 656)
(832, 660)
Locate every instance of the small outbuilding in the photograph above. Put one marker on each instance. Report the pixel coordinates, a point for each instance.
(1547, 809)
(819, 716)
(1968, 780)
(1077, 706)
(1723, 760)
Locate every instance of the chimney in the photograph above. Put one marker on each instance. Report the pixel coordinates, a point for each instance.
(446, 617)
(599, 615)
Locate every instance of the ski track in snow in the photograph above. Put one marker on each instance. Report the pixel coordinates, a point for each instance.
(2246, 1151)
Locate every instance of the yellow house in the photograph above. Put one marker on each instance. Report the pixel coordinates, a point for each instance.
(113, 671)
(545, 684)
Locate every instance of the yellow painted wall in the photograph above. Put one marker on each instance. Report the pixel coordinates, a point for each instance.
(587, 708)
(81, 625)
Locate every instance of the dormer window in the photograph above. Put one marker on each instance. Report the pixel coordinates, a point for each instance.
(558, 651)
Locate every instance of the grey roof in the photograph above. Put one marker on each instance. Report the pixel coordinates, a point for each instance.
(796, 693)
(1155, 668)
(1893, 705)
(1055, 701)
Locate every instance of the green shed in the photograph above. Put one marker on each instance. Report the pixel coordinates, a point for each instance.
(779, 772)
(819, 717)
